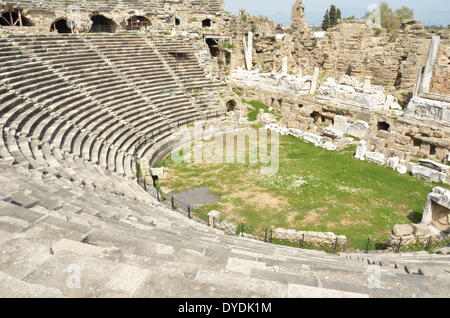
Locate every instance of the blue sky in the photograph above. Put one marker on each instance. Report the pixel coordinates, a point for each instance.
(431, 12)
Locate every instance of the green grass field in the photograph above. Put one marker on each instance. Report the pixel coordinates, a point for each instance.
(314, 189)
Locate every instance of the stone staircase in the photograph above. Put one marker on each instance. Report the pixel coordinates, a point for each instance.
(74, 222)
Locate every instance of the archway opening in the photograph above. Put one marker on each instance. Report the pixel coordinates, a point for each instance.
(231, 105)
(102, 24)
(206, 23)
(383, 126)
(14, 18)
(213, 47)
(62, 25)
(137, 23)
(177, 21)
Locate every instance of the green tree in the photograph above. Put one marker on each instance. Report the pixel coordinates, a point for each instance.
(333, 15)
(404, 13)
(326, 21)
(391, 20)
(339, 14)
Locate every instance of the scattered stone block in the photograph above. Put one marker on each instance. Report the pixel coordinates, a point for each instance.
(428, 174)
(333, 133)
(421, 230)
(400, 230)
(341, 124)
(358, 129)
(312, 138)
(401, 169)
(376, 157)
(157, 172)
(361, 150)
(214, 218)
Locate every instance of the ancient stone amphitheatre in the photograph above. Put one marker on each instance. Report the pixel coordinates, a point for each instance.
(96, 97)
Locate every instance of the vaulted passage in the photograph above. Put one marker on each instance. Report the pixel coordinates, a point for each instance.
(14, 18)
(62, 25)
(102, 24)
(137, 23)
(206, 23)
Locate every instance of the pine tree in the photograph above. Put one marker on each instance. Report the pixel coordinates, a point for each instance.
(326, 21)
(333, 15)
(338, 15)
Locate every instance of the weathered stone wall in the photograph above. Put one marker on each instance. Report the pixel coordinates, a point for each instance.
(160, 13)
(356, 48)
(388, 134)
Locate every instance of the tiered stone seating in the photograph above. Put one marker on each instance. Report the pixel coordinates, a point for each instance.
(134, 58)
(187, 69)
(66, 204)
(126, 247)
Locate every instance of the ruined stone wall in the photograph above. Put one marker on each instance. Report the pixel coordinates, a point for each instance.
(160, 13)
(391, 135)
(356, 48)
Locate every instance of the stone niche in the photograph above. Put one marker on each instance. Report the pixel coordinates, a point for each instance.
(437, 210)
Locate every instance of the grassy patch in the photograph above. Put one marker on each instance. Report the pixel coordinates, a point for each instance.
(255, 107)
(314, 189)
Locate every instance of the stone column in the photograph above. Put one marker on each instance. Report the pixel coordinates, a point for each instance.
(361, 150)
(431, 59)
(314, 81)
(284, 69)
(367, 83)
(427, 211)
(213, 218)
(248, 51)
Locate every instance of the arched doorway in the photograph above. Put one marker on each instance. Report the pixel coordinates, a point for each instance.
(137, 23)
(206, 23)
(231, 104)
(102, 24)
(63, 25)
(14, 18)
(213, 47)
(177, 22)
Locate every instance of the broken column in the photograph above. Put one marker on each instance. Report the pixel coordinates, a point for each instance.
(284, 68)
(248, 51)
(367, 83)
(437, 209)
(213, 218)
(314, 81)
(361, 150)
(428, 69)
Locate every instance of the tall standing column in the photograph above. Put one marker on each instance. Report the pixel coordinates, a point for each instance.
(431, 59)
(248, 51)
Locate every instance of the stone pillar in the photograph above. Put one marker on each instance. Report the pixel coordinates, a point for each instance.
(361, 150)
(248, 51)
(284, 69)
(427, 211)
(367, 83)
(314, 81)
(429, 65)
(213, 218)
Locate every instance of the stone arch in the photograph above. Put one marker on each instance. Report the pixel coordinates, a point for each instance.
(177, 22)
(382, 125)
(63, 25)
(137, 22)
(101, 23)
(14, 17)
(207, 23)
(231, 105)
